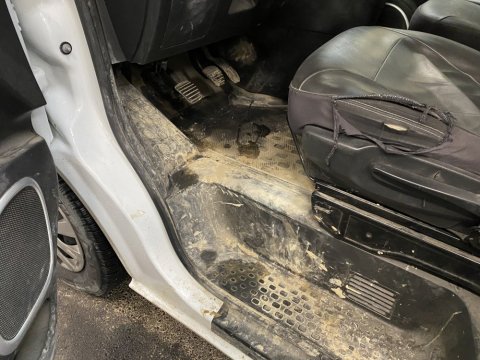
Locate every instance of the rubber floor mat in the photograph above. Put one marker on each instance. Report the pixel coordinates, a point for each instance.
(258, 137)
(277, 270)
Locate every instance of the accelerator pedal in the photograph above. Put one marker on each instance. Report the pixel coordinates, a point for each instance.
(189, 91)
(227, 69)
(231, 73)
(215, 75)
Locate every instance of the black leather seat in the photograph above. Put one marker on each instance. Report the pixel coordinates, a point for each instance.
(394, 115)
(458, 20)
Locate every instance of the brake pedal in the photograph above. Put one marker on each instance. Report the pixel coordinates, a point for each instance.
(189, 91)
(215, 75)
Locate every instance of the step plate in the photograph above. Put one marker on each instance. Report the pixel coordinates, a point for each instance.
(250, 282)
(304, 288)
(313, 312)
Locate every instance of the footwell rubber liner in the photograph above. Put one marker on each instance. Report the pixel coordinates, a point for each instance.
(257, 137)
(335, 300)
(290, 290)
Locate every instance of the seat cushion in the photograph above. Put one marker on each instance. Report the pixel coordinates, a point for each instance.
(458, 20)
(394, 116)
(420, 67)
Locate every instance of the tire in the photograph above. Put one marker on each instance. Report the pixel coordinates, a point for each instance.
(80, 237)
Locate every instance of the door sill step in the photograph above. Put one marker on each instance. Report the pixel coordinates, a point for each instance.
(315, 295)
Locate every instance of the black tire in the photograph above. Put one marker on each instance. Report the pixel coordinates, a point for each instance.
(102, 269)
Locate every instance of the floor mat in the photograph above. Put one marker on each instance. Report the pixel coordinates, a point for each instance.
(258, 137)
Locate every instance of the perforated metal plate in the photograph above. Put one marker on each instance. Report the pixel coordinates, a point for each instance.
(252, 284)
(312, 312)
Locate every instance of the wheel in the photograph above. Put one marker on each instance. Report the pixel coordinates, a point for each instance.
(86, 261)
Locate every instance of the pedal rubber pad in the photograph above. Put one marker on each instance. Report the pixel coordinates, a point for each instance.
(215, 75)
(231, 73)
(189, 91)
(227, 69)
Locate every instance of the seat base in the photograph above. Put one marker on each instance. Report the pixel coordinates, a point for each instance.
(384, 232)
(433, 192)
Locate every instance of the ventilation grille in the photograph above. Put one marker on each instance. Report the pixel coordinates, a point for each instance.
(24, 259)
(370, 295)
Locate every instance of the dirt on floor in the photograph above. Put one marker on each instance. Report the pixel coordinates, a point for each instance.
(123, 325)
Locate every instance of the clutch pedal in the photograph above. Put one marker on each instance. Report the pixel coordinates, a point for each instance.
(189, 91)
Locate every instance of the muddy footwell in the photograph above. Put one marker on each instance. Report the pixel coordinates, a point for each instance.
(257, 137)
(241, 206)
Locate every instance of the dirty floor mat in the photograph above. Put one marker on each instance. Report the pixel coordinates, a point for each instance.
(258, 137)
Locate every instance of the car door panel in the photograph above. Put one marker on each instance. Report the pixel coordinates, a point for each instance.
(28, 208)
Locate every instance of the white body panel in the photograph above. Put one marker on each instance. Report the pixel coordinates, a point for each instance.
(90, 160)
